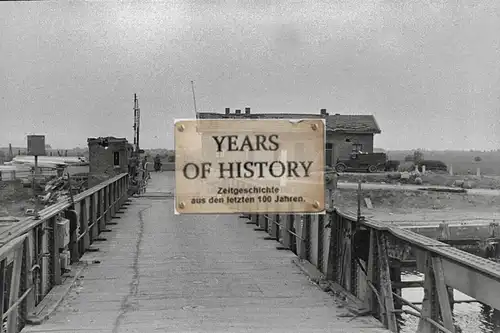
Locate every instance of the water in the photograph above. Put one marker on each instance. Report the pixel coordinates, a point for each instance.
(471, 317)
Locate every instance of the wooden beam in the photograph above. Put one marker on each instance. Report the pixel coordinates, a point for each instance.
(385, 283)
(370, 273)
(304, 237)
(428, 303)
(442, 292)
(2, 285)
(15, 283)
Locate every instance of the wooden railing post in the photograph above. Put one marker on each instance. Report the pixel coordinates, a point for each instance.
(120, 191)
(264, 222)
(369, 300)
(85, 224)
(15, 283)
(304, 235)
(333, 255)
(108, 204)
(101, 195)
(385, 284)
(2, 285)
(429, 310)
(94, 232)
(443, 295)
(343, 234)
(112, 200)
(73, 246)
(274, 227)
(436, 301)
(54, 257)
(29, 270)
(287, 237)
(320, 247)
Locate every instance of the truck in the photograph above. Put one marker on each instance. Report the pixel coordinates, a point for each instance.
(370, 162)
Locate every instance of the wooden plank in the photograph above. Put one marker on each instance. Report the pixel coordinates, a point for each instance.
(321, 226)
(94, 232)
(54, 253)
(286, 236)
(475, 284)
(425, 266)
(85, 224)
(2, 286)
(15, 283)
(385, 284)
(304, 242)
(368, 203)
(347, 257)
(274, 226)
(442, 292)
(102, 209)
(370, 272)
(29, 244)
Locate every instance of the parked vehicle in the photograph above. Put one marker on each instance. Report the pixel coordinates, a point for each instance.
(432, 165)
(362, 162)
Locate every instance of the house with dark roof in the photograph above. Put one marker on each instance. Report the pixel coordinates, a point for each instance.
(344, 133)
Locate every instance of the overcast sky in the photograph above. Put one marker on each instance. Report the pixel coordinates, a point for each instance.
(429, 71)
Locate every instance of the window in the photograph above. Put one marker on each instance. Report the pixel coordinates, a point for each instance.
(116, 158)
(357, 147)
(329, 154)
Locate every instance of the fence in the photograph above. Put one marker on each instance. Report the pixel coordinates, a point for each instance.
(362, 259)
(32, 254)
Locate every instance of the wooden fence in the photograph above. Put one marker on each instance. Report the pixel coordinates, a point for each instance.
(362, 259)
(33, 253)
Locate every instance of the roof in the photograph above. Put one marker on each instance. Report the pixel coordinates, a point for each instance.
(111, 139)
(352, 123)
(359, 124)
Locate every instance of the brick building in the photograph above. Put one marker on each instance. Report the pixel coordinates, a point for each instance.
(344, 133)
(108, 157)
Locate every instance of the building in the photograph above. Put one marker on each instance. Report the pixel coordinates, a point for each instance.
(344, 133)
(108, 157)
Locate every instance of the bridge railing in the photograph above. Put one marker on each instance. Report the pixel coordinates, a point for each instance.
(35, 253)
(362, 259)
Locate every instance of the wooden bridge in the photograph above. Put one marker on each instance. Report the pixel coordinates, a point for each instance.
(137, 267)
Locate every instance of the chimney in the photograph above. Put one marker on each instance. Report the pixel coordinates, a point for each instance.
(228, 110)
(237, 111)
(247, 110)
(323, 112)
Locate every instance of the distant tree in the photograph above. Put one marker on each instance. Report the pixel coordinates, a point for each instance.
(477, 159)
(418, 156)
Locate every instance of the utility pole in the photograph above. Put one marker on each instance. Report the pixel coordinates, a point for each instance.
(194, 99)
(36, 147)
(11, 154)
(137, 120)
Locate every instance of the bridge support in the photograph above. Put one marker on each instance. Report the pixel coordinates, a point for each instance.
(361, 260)
(436, 302)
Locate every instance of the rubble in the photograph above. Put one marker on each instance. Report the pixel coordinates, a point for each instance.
(58, 189)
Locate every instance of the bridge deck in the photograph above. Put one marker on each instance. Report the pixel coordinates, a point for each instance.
(164, 273)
